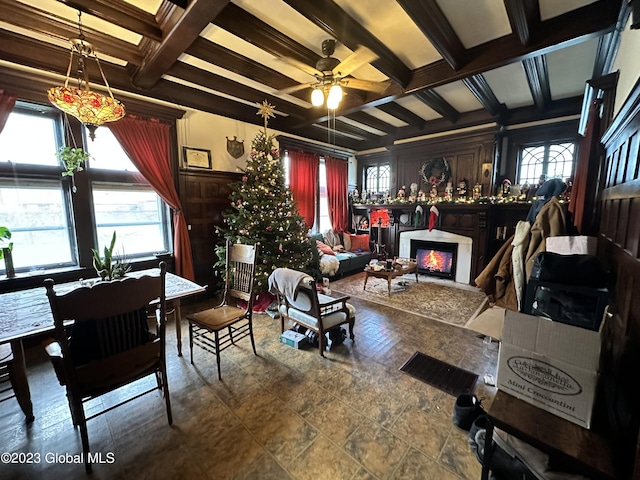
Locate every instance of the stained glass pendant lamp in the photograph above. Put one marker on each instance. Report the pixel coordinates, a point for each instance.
(91, 108)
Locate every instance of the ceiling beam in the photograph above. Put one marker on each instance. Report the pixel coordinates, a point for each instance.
(482, 91)
(535, 69)
(524, 16)
(41, 21)
(402, 113)
(434, 25)
(433, 100)
(371, 121)
(232, 88)
(229, 60)
(120, 13)
(336, 22)
(609, 43)
(199, 14)
(573, 27)
(242, 24)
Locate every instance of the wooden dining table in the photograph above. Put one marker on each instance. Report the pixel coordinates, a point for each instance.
(26, 313)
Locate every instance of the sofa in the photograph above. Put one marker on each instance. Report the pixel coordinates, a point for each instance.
(342, 253)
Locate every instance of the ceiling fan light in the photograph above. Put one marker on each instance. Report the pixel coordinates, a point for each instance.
(317, 97)
(335, 92)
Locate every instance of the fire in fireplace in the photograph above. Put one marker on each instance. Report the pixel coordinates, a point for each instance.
(435, 258)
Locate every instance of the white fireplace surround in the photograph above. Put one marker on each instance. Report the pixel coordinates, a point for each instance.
(465, 244)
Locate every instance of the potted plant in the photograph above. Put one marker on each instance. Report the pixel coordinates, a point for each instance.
(109, 268)
(73, 159)
(5, 252)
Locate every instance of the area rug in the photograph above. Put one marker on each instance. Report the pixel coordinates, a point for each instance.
(433, 300)
(439, 374)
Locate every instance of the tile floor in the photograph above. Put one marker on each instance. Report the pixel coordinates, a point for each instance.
(284, 414)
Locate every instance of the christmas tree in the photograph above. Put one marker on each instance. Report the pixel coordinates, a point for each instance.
(264, 213)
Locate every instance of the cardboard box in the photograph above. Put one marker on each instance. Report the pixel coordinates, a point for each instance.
(551, 365)
(572, 244)
(294, 339)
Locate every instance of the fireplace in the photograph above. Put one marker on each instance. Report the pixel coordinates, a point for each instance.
(435, 258)
(463, 246)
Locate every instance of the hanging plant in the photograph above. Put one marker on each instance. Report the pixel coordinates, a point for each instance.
(72, 159)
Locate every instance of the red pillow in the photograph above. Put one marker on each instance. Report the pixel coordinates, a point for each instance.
(359, 242)
(324, 248)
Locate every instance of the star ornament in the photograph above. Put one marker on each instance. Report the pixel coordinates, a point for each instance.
(265, 110)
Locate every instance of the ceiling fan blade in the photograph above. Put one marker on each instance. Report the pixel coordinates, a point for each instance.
(360, 57)
(367, 85)
(295, 88)
(301, 66)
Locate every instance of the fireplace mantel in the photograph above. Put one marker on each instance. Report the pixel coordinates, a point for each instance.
(484, 224)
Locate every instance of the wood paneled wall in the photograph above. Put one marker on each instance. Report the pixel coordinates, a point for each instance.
(619, 247)
(204, 196)
(465, 152)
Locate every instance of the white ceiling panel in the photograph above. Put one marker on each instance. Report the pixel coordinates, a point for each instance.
(150, 6)
(385, 117)
(554, 8)
(570, 67)
(418, 107)
(285, 19)
(459, 96)
(509, 85)
(397, 31)
(476, 21)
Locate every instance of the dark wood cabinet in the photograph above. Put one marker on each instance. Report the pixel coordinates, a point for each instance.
(204, 196)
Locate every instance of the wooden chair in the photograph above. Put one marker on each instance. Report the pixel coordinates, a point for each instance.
(219, 327)
(109, 344)
(305, 306)
(13, 372)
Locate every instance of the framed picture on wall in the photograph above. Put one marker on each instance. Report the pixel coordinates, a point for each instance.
(486, 173)
(197, 158)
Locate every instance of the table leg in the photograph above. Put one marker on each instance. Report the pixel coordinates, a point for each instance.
(178, 314)
(366, 277)
(18, 375)
(389, 284)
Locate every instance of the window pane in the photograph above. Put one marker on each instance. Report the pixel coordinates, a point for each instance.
(371, 179)
(135, 213)
(324, 222)
(36, 215)
(107, 154)
(384, 174)
(531, 165)
(17, 143)
(561, 160)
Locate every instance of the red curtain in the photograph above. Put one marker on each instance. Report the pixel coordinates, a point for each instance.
(303, 182)
(583, 192)
(337, 182)
(7, 101)
(148, 145)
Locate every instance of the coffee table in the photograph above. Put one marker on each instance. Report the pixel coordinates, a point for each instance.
(408, 266)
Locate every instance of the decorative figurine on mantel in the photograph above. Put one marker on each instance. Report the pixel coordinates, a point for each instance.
(413, 192)
(401, 192)
(506, 187)
(421, 196)
(433, 193)
(477, 191)
(448, 191)
(463, 188)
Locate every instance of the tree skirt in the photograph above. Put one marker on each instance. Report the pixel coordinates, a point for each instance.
(435, 300)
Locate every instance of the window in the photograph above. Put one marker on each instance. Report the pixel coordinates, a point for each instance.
(323, 221)
(555, 160)
(123, 201)
(37, 205)
(34, 198)
(377, 178)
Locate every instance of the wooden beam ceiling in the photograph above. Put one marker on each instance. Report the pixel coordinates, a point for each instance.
(437, 103)
(535, 69)
(524, 16)
(482, 91)
(434, 25)
(198, 15)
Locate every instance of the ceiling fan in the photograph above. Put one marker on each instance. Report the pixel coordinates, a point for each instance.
(331, 74)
